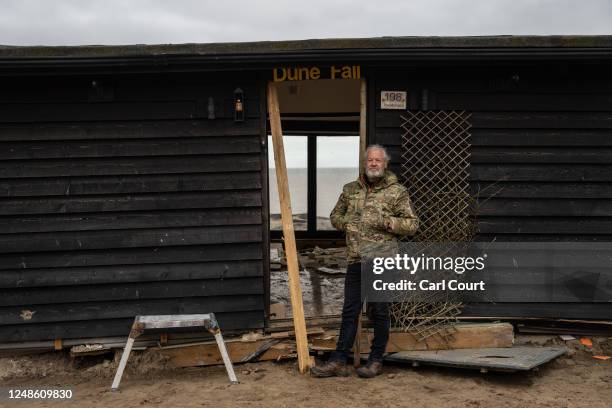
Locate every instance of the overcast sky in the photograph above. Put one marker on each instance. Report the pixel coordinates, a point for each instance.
(72, 22)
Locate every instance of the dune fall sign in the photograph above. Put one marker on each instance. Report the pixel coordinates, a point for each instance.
(281, 74)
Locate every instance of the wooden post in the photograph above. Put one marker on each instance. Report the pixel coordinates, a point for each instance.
(295, 290)
(362, 149)
(362, 125)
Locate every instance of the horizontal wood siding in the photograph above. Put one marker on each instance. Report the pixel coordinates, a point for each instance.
(541, 162)
(124, 198)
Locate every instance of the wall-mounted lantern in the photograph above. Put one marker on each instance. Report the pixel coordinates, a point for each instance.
(238, 105)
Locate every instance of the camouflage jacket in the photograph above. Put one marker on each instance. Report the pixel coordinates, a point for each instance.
(363, 213)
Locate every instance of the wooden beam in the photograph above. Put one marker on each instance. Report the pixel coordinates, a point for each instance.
(299, 323)
(208, 354)
(362, 123)
(468, 335)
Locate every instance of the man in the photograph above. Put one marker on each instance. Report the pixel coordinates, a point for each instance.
(373, 211)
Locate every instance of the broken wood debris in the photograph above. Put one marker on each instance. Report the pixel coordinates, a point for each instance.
(324, 260)
(280, 345)
(89, 349)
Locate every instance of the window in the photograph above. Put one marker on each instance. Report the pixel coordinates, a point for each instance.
(337, 164)
(296, 157)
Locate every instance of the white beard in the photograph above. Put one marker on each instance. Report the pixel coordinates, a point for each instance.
(374, 175)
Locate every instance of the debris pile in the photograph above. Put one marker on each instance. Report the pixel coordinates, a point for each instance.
(321, 277)
(323, 260)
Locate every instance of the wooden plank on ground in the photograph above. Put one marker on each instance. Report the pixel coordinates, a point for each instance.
(468, 335)
(208, 353)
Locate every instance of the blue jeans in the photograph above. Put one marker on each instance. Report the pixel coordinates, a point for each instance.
(379, 313)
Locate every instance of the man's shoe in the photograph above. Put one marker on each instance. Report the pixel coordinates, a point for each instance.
(371, 370)
(330, 369)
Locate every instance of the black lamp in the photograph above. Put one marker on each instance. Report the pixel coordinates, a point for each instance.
(238, 105)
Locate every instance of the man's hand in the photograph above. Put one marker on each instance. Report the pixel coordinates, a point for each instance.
(378, 221)
(389, 224)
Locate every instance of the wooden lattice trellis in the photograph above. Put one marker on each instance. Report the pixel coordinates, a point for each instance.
(435, 168)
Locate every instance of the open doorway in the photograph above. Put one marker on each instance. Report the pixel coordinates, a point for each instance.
(316, 174)
(321, 136)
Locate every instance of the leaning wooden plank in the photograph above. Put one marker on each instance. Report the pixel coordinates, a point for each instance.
(465, 336)
(299, 323)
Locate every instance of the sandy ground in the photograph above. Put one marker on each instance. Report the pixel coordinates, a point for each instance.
(576, 380)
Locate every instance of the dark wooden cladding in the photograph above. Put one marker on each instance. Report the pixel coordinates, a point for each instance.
(129, 165)
(539, 102)
(128, 200)
(563, 155)
(131, 291)
(521, 120)
(544, 207)
(132, 219)
(559, 226)
(127, 148)
(535, 189)
(90, 327)
(545, 172)
(116, 309)
(541, 165)
(132, 256)
(517, 235)
(56, 312)
(137, 110)
(125, 130)
(156, 183)
(526, 137)
(138, 238)
(43, 277)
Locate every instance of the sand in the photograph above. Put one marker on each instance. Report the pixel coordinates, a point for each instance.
(576, 380)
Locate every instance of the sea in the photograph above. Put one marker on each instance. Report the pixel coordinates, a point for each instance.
(329, 186)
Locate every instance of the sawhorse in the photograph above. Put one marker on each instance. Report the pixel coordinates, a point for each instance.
(142, 323)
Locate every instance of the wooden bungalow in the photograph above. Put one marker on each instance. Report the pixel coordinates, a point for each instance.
(134, 179)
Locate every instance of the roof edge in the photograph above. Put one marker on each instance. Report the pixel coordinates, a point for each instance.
(558, 42)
